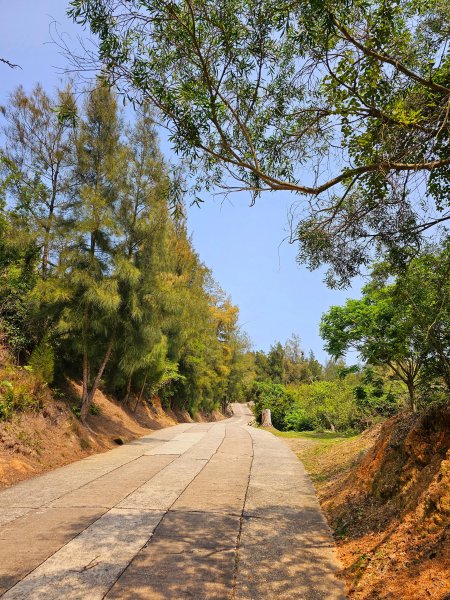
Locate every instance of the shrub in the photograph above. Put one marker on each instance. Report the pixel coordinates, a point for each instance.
(42, 361)
(298, 420)
(328, 404)
(275, 397)
(6, 399)
(94, 409)
(17, 396)
(323, 405)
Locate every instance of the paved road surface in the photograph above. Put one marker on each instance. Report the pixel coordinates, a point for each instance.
(197, 511)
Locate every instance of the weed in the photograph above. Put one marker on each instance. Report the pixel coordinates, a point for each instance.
(84, 444)
(360, 565)
(28, 440)
(94, 409)
(18, 396)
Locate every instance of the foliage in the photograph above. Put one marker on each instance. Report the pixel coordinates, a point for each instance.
(328, 405)
(344, 102)
(100, 280)
(18, 259)
(287, 364)
(19, 391)
(423, 291)
(375, 395)
(402, 321)
(351, 402)
(94, 409)
(379, 328)
(42, 361)
(273, 396)
(298, 419)
(37, 157)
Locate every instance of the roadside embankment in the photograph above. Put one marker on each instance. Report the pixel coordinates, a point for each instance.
(386, 495)
(47, 434)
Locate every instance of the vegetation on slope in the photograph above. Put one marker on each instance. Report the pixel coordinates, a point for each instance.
(40, 429)
(98, 279)
(386, 496)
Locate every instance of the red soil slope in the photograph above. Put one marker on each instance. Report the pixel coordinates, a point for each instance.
(391, 513)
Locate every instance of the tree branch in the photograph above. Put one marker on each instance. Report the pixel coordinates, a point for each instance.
(10, 64)
(385, 58)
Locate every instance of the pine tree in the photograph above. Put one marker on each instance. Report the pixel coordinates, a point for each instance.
(143, 219)
(120, 290)
(38, 159)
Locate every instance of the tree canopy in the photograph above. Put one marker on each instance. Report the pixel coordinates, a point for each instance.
(402, 321)
(343, 102)
(99, 281)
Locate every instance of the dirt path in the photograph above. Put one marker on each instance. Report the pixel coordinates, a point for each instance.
(202, 511)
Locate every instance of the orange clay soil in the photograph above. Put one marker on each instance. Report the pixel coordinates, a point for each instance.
(34, 442)
(386, 495)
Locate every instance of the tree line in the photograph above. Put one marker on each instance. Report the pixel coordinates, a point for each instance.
(400, 330)
(401, 322)
(99, 280)
(303, 394)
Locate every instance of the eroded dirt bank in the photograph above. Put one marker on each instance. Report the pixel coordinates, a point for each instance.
(386, 495)
(35, 442)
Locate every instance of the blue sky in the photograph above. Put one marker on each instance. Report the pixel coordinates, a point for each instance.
(243, 245)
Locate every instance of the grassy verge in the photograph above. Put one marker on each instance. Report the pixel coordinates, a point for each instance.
(325, 455)
(314, 435)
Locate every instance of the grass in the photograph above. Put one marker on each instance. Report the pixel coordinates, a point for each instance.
(327, 454)
(321, 436)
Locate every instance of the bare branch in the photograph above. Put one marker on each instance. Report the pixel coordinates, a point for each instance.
(10, 64)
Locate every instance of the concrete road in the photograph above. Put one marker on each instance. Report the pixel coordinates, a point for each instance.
(200, 511)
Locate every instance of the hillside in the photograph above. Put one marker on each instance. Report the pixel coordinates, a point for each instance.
(386, 495)
(47, 434)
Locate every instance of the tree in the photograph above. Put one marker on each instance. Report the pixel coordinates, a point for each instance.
(345, 103)
(82, 294)
(143, 220)
(380, 330)
(262, 371)
(423, 292)
(242, 368)
(333, 368)
(277, 363)
(98, 279)
(95, 272)
(38, 159)
(19, 256)
(295, 360)
(315, 368)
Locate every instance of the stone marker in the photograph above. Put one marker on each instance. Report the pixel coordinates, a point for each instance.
(266, 418)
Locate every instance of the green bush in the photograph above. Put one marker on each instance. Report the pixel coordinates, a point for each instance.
(298, 420)
(94, 409)
(351, 403)
(328, 405)
(42, 361)
(16, 397)
(6, 399)
(275, 397)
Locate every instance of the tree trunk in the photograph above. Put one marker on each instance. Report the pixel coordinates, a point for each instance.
(141, 393)
(127, 394)
(266, 418)
(85, 393)
(50, 218)
(412, 395)
(88, 399)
